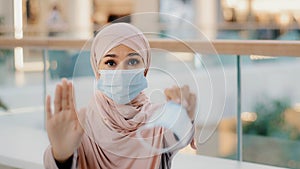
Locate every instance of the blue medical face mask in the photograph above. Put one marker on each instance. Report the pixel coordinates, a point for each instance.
(122, 86)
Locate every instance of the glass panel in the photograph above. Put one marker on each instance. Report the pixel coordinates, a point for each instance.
(21, 90)
(270, 110)
(223, 142)
(75, 66)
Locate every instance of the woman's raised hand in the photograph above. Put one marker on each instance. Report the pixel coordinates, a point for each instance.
(63, 127)
(184, 97)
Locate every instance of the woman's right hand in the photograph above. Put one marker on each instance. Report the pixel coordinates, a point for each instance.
(63, 127)
(184, 97)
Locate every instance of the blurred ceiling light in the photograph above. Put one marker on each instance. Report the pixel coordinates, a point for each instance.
(230, 3)
(272, 6)
(249, 116)
(242, 10)
(198, 61)
(18, 32)
(284, 19)
(264, 6)
(18, 19)
(228, 14)
(261, 57)
(242, 6)
(35, 66)
(19, 63)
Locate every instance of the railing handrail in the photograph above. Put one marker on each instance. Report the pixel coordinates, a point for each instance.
(234, 47)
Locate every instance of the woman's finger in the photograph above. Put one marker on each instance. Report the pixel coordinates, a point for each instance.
(58, 99)
(48, 107)
(176, 95)
(185, 92)
(192, 105)
(170, 94)
(193, 99)
(65, 92)
(71, 100)
(71, 96)
(167, 94)
(173, 94)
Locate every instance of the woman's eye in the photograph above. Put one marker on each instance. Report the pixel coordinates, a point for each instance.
(132, 62)
(110, 63)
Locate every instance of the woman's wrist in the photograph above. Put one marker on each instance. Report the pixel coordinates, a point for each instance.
(61, 157)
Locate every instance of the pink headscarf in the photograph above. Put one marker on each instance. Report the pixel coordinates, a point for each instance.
(116, 34)
(113, 127)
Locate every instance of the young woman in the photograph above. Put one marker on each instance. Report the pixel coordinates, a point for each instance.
(104, 134)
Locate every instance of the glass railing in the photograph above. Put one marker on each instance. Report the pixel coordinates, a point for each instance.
(259, 121)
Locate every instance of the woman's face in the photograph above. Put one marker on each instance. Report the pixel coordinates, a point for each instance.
(121, 57)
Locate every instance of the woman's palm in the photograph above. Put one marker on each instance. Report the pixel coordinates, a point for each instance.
(63, 127)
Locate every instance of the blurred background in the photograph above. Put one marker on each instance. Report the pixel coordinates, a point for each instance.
(270, 86)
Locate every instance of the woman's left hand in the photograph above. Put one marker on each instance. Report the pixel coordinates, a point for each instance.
(184, 97)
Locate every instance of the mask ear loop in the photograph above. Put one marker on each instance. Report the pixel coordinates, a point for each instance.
(99, 75)
(145, 72)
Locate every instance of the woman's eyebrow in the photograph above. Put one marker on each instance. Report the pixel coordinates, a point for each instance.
(110, 55)
(133, 54)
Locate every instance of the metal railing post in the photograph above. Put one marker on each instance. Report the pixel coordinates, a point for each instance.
(239, 120)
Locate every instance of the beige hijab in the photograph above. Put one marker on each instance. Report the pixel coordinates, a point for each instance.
(113, 127)
(117, 34)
